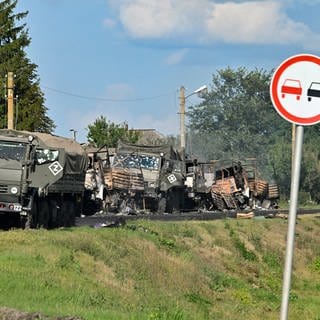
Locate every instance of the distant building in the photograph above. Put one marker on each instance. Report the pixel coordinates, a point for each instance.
(150, 137)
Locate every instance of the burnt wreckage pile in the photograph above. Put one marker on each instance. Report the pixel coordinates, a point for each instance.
(226, 185)
(143, 178)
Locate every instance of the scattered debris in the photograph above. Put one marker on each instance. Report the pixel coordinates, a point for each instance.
(248, 215)
(116, 223)
(282, 215)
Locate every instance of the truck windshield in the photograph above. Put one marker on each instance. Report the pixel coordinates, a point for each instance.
(46, 155)
(12, 150)
(137, 161)
(149, 162)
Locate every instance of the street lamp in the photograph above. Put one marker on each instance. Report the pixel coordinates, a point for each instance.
(200, 91)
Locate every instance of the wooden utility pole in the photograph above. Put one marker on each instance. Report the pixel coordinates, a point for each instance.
(182, 118)
(10, 99)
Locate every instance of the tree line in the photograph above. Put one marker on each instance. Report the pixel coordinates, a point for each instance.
(235, 120)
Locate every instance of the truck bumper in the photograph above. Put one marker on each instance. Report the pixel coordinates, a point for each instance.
(10, 207)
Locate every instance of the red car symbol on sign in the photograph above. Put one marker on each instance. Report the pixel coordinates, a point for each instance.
(291, 86)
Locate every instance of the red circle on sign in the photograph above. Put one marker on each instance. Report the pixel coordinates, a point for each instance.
(274, 93)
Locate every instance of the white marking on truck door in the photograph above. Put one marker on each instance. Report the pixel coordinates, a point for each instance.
(55, 168)
(172, 178)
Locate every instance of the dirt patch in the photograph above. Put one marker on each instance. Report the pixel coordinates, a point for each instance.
(12, 314)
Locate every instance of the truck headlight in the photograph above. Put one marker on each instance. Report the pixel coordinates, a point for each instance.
(14, 190)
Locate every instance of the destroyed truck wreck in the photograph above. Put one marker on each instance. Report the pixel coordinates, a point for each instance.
(149, 179)
(229, 185)
(145, 179)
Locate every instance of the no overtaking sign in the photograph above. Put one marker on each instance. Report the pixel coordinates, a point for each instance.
(295, 89)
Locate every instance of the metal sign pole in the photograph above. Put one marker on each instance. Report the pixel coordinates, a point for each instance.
(291, 223)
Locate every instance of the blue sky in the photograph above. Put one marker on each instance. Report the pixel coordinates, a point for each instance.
(126, 59)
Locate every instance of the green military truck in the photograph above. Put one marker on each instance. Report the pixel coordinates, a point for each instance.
(41, 179)
(145, 178)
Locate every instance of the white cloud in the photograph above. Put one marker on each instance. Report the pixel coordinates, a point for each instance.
(176, 57)
(166, 125)
(119, 91)
(160, 19)
(148, 19)
(109, 23)
(253, 22)
(207, 21)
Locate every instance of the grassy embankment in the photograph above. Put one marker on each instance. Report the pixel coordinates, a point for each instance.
(230, 269)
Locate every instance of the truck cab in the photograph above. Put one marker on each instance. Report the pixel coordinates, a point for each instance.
(39, 173)
(147, 178)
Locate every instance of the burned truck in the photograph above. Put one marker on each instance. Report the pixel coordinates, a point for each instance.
(145, 179)
(41, 178)
(229, 185)
(96, 189)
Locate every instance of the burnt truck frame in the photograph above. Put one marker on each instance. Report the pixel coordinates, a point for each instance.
(228, 184)
(96, 190)
(146, 179)
(41, 178)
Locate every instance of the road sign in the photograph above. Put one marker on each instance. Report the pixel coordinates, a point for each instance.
(295, 89)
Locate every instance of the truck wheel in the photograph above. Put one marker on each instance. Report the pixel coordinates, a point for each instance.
(54, 214)
(162, 204)
(26, 221)
(72, 214)
(68, 213)
(43, 214)
(29, 221)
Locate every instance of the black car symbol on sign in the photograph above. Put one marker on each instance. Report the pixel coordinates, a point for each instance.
(314, 90)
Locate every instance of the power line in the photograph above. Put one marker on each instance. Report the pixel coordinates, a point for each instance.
(106, 99)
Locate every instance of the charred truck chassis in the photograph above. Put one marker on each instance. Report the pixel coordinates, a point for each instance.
(145, 179)
(155, 179)
(227, 185)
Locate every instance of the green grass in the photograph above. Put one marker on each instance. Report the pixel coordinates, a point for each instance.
(229, 269)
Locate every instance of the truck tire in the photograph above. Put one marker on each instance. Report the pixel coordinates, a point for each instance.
(162, 204)
(43, 214)
(29, 221)
(25, 222)
(53, 213)
(68, 213)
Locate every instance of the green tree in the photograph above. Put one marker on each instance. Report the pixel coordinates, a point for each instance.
(103, 132)
(238, 113)
(279, 158)
(31, 113)
(310, 168)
